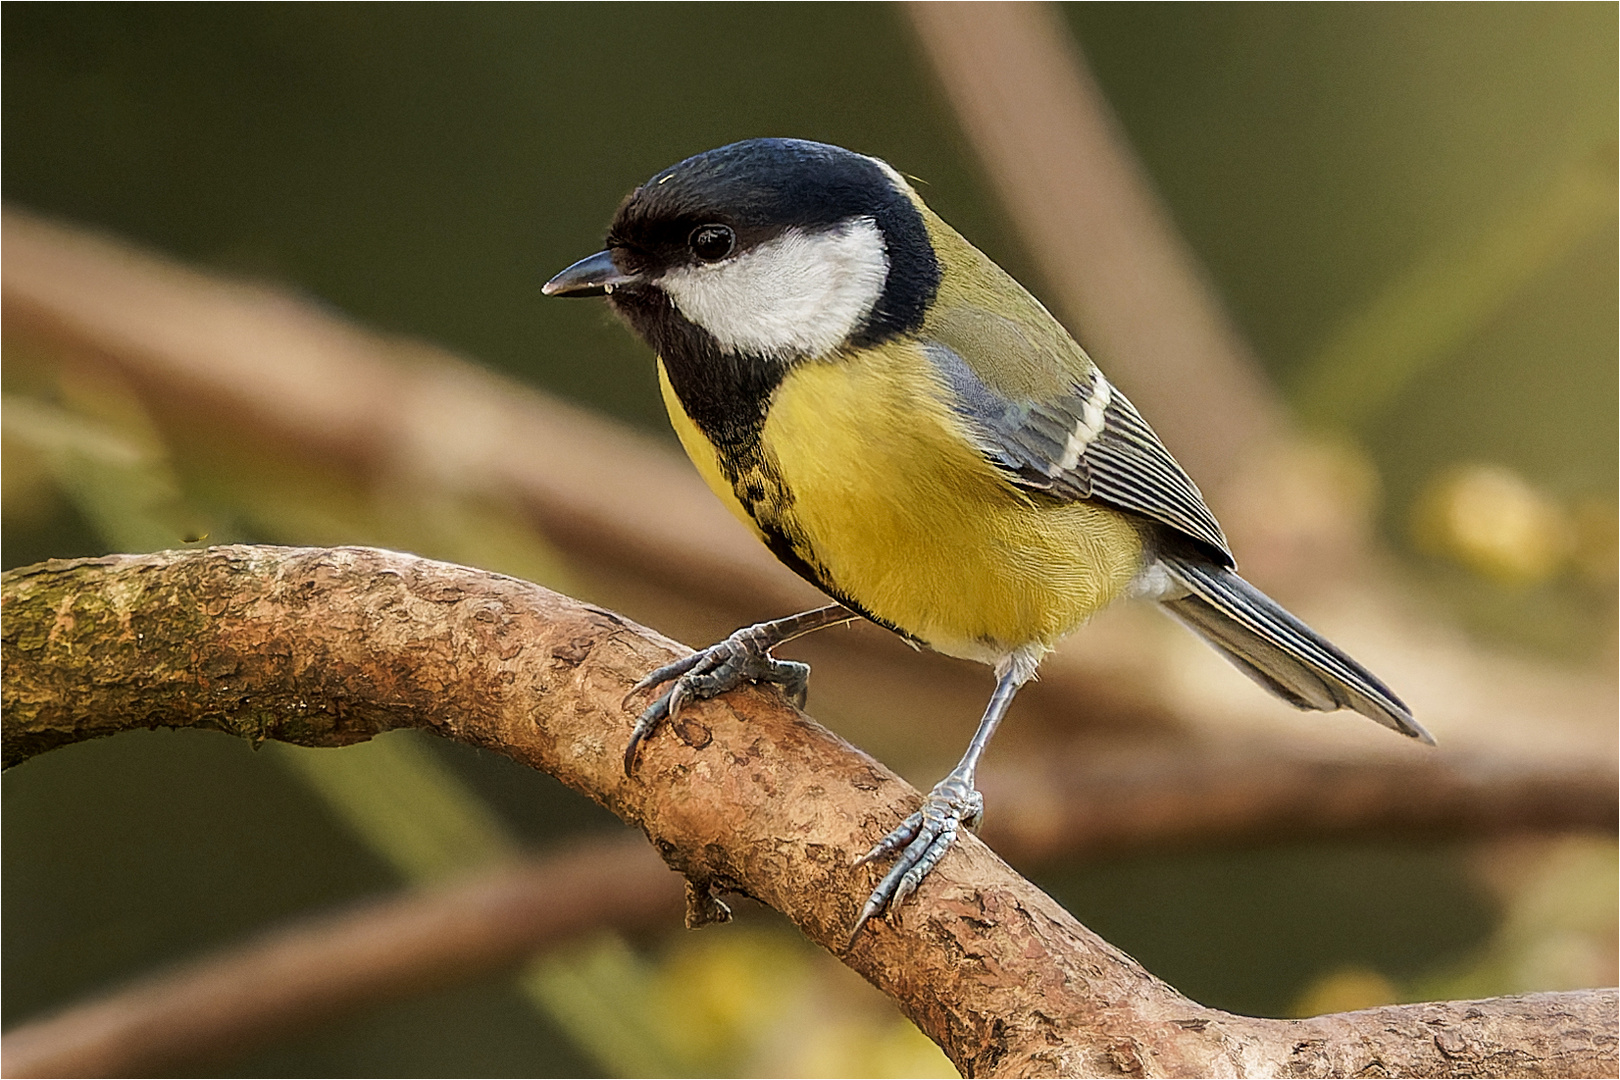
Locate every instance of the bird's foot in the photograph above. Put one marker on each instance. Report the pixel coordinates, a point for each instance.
(743, 657)
(922, 840)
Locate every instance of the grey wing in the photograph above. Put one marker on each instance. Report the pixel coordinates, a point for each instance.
(1086, 443)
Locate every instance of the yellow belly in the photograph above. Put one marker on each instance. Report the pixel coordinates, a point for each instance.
(912, 523)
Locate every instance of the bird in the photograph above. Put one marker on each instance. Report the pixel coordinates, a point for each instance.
(910, 430)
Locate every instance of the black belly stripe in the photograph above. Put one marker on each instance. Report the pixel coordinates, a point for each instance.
(725, 394)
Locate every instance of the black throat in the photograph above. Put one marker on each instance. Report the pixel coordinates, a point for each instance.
(725, 394)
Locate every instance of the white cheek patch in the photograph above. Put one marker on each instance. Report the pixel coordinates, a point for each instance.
(801, 294)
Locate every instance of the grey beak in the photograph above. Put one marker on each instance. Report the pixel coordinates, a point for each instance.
(593, 276)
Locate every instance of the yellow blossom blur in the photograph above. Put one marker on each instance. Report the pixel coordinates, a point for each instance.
(1490, 519)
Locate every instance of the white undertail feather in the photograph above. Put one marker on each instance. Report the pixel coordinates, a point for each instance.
(800, 294)
(1155, 582)
(1021, 663)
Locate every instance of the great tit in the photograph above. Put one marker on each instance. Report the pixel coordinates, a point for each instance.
(908, 429)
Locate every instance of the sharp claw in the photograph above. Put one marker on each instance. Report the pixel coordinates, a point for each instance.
(645, 723)
(638, 734)
(872, 908)
(911, 878)
(645, 684)
(879, 849)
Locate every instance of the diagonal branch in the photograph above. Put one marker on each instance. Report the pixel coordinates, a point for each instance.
(331, 646)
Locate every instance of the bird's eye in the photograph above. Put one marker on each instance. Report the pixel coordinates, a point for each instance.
(711, 243)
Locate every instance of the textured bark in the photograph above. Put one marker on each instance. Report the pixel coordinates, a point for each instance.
(216, 1008)
(330, 646)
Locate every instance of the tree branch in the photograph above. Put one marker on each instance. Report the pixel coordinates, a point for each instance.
(331, 646)
(313, 970)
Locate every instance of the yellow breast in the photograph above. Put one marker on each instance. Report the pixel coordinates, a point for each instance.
(910, 521)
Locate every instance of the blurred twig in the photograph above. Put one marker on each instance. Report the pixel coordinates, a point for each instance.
(639, 523)
(1085, 209)
(742, 794)
(319, 969)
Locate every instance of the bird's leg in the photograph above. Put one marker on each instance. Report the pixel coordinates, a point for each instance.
(924, 837)
(745, 656)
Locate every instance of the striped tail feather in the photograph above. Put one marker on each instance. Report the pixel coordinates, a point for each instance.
(1278, 651)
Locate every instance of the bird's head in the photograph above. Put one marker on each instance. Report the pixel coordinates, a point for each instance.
(780, 249)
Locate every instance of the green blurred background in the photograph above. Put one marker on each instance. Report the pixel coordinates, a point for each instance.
(1429, 186)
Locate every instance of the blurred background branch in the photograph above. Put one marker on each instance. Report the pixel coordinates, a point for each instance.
(216, 1008)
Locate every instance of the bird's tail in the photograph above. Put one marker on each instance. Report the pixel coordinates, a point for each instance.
(1278, 651)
